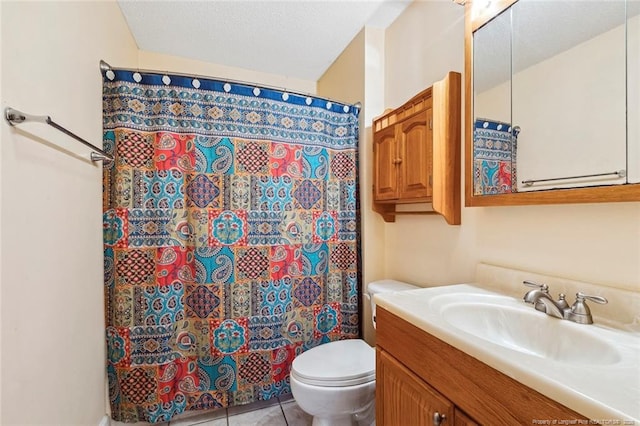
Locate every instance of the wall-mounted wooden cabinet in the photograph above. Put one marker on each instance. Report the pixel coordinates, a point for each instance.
(402, 170)
(421, 380)
(416, 153)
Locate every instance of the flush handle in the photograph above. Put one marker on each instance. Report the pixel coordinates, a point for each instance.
(438, 418)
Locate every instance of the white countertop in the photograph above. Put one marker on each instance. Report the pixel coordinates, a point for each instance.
(608, 392)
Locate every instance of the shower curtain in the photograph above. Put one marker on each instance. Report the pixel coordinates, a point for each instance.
(231, 235)
(495, 146)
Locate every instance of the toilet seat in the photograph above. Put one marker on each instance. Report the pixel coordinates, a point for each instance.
(336, 364)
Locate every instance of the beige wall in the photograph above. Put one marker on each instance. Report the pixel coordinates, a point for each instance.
(161, 62)
(597, 243)
(421, 46)
(52, 320)
(357, 76)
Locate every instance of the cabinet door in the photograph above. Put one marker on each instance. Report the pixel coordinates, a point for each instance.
(404, 399)
(416, 154)
(385, 165)
(463, 420)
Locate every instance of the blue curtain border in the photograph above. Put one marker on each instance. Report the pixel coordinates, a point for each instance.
(230, 87)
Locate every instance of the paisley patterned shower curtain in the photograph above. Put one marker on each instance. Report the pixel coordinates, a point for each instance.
(231, 233)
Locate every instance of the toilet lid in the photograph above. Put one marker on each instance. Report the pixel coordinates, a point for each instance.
(340, 363)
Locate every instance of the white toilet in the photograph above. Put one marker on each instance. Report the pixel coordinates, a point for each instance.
(336, 382)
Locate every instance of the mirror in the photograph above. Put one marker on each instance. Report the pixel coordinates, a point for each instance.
(555, 102)
(494, 143)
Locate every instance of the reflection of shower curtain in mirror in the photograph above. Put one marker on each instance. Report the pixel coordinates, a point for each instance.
(494, 158)
(231, 230)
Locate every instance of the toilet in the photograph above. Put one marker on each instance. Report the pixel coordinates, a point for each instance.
(336, 382)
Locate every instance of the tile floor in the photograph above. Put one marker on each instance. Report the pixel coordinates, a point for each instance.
(275, 412)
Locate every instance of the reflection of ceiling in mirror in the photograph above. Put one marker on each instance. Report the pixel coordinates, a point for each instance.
(543, 28)
(491, 53)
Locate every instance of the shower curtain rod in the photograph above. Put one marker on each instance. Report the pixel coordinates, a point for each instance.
(104, 67)
(14, 117)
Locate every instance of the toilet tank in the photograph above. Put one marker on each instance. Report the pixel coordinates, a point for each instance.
(384, 286)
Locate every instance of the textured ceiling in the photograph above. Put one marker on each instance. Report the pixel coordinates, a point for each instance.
(294, 38)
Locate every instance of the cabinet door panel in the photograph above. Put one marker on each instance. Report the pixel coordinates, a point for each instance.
(463, 420)
(404, 399)
(416, 144)
(384, 165)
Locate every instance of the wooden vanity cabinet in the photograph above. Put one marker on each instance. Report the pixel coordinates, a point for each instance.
(407, 399)
(416, 153)
(418, 375)
(461, 419)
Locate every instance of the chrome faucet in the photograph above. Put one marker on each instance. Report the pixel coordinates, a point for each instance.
(579, 312)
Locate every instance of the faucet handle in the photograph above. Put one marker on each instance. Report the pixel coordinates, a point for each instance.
(580, 312)
(598, 299)
(542, 287)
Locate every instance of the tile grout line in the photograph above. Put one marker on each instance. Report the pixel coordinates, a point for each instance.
(286, 422)
(226, 417)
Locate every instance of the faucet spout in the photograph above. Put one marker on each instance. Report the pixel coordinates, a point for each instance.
(542, 302)
(533, 296)
(552, 307)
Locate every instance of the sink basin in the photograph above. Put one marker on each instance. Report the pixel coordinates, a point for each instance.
(526, 330)
(592, 369)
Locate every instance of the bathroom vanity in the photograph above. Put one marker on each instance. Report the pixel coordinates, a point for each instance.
(421, 378)
(478, 354)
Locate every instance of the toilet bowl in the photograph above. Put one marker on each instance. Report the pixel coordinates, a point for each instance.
(335, 382)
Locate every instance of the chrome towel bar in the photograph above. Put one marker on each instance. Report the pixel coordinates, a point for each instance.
(14, 117)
